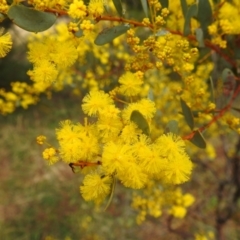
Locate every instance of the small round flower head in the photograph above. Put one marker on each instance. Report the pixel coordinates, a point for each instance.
(95, 187)
(96, 8)
(44, 71)
(116, 157)
(177, 168)
(41, 139)
(49, 154)
(96, 101)
(169, 143)
(75, 144)
(77, 9)
(5, 43)
(133, 176)
(131, 84)
(178, 211)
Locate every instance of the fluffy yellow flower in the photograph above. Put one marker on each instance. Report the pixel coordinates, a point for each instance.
(38, 51)
(133, 176)
(178, 211)
(5, 43)
(150, 160)
(109, 127)
(77, 9)
(177, 168)
(170, 143)
(116, 158)
(49, 154)
(95, 187)
(44, 71)
(75, 144)
(96, 8)
(65, 54)
(96, 101)
(131, 85)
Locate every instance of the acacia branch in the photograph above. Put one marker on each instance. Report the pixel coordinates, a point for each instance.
(216, 117)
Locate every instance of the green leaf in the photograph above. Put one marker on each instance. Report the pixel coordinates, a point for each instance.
(164, 3)
(31, 19)
(112, 192)
(199, 37)
(118, 6)
(86, 2)
(145, 7)
(187, 113)
(172, 127)
(9, 2)
(184, 8)
(227, 75)
(192, 12)
(204, 15)
(140, 121)
(198, 140)
(108, 34)
(79, 33)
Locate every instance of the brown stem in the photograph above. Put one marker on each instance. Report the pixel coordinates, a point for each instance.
(215, 118)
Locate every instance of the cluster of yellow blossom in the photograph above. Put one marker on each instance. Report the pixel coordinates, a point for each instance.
(226, 21)
(115, 146)
(160, 68)
(156, 198)
(46, 4)
(3, 6)
(53, 55)
(21, 95)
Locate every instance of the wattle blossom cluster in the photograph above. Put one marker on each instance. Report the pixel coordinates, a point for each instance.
(146, 72)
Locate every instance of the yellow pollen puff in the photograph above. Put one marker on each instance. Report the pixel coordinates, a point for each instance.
(178, 211)
(73, 27)
(96, 8)
(146, 21)
(41, 139)
(164, 12)
(77, 9)
(160, 21)
(212, 29)
(49, 154)
(131, 84)
(95, 187)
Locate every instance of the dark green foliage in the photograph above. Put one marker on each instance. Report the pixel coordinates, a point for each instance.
(140, 121)
(198, 140)
(109, 34)
(31, 19)
(187, 113)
